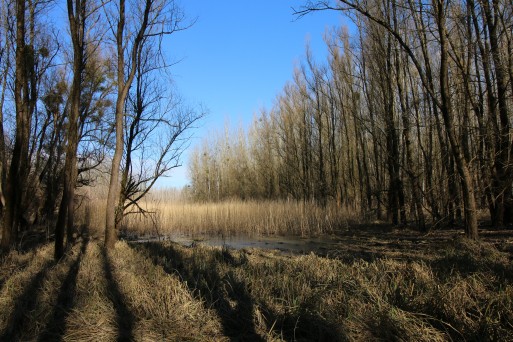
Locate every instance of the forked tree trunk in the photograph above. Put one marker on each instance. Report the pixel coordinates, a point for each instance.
(123, 88)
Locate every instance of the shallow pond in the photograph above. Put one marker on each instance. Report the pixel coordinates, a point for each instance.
(366, 242)
(285, 244)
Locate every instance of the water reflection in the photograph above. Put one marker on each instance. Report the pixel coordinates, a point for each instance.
(284, 244)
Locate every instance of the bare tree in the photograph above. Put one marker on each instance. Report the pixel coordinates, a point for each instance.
(153, 19)
(156, 134)
(438, 16)
(25, 102)
(77, 16)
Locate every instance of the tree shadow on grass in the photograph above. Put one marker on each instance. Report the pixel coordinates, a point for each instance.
(7, 274)
(468, 257)
(56, 327)
(24, 305)
(125, 319)
(226, 295)
(232, 298)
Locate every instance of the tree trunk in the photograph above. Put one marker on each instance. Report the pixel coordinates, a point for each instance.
(471, 226)
(76, 17)
(415, 187)
(123, 88)
(18, 168)
(503, 153)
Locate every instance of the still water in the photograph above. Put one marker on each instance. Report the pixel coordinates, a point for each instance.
(287, 244)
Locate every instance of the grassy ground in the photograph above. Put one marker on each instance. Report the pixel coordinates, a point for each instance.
(163, 291)
(96, 296)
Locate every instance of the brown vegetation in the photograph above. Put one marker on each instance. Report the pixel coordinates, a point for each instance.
(408, 122)
(163, 291)
(239, 218)
(94, 295)
(408, 119)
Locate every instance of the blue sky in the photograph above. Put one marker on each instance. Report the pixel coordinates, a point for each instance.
(237, 58)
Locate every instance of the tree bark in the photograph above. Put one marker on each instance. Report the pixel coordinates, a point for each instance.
(123, 88)
(18, 168)
(76, 17)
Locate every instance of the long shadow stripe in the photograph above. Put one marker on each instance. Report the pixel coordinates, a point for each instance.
(55, 328)
(223, 289)
(26, 302)
(237, 320)
(5, 277)
(125, 319)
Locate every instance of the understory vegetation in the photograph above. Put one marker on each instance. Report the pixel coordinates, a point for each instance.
(165, 291)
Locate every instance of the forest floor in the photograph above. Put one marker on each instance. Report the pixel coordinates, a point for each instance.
(371, 242)
(376, 283)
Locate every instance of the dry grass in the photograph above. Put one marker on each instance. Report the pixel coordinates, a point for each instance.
(164, 291)
(160, 306)
(169, 214)
(270, 296)
(91, 295)
(227, 218)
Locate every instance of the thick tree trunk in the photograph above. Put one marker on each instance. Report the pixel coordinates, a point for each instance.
(18, 168)
(112, 197)
(114, 186)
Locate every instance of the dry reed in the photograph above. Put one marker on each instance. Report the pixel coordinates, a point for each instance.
(251, 217)
(227, 218)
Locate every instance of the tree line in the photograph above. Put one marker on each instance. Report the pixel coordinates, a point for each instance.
(83, 97)
(409, 119)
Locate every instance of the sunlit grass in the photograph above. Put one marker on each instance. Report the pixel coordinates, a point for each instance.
(235, 217)
(319, 299)
(94, 295)
(165, 291)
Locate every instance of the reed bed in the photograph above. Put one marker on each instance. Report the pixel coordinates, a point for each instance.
(168, 213)
(239, 218)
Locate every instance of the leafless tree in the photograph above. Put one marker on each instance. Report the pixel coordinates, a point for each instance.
(152, 20)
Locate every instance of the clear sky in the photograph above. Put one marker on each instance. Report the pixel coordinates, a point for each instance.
(238, 56)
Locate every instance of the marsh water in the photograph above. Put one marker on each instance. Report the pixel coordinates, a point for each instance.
(368, 242)
(284, 244)
(365, 243)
